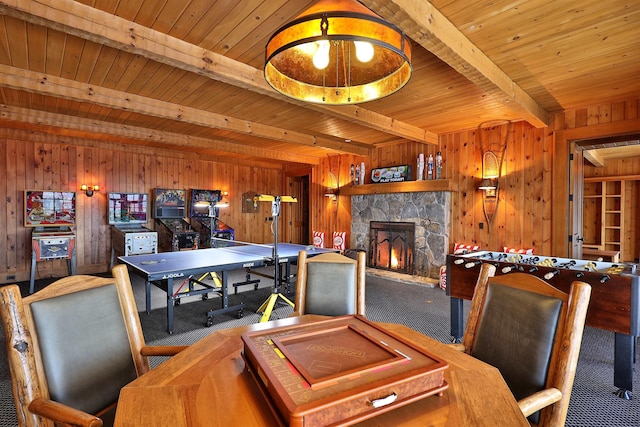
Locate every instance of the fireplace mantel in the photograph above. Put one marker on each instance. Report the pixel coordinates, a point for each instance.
(401, 187)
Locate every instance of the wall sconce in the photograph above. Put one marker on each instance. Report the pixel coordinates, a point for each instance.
(489, 185)
(224, 200)
(331, 194)
(89, 189)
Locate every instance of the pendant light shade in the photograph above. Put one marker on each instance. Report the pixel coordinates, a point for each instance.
(338, 52)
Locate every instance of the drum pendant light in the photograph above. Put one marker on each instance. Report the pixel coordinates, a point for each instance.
(338, 52)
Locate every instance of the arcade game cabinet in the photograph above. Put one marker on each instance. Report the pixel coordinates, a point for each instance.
(174, 232)
(204, 213)
(127, 213)
(51, 214)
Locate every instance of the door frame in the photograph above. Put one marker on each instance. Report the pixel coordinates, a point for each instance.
(563, 216)
(294, 184)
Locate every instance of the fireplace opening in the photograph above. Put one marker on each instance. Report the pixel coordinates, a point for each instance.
(391, 246)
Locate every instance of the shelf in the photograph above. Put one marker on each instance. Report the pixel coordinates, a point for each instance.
(605, 200)
(612, 178)
(401, 187)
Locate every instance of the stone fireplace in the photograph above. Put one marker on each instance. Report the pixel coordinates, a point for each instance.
(391, 246)
(428, 211)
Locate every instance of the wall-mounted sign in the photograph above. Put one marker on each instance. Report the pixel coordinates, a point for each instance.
(391, 174)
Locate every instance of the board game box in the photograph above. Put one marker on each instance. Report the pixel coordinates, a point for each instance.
(339, 371)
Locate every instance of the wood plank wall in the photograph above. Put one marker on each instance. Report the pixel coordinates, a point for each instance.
(528, 204)
(522, 218)
(44, 162)
(526, 210)
(326, 214)
(526, 166)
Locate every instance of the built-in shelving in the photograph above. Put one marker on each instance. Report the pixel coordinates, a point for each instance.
(401, 187)
(605, 197)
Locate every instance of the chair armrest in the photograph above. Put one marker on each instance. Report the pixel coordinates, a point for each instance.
(457, 346)
(63, 414)
(162, 350)
(539, 400)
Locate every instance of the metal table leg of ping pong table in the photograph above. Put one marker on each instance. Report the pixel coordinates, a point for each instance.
(225, 302)
(173, 298)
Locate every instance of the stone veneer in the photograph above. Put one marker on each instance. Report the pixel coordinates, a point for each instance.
(430, 211)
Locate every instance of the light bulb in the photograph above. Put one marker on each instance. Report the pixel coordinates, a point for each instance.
(308, 49)
(321, 57)
(364, 51)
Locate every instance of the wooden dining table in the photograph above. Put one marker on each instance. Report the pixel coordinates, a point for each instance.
(208, 385)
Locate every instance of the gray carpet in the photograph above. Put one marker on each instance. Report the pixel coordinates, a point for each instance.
(424, 309)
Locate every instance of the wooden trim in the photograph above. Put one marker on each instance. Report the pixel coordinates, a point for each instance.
(613, 178)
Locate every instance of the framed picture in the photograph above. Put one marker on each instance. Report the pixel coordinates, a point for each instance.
(201, 200)
(128, 208)
(169, 203)
(249, 204)
(49, 208)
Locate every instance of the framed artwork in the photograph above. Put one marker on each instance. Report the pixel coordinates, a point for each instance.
(49, 208)
(169, 203)
(128, 208)
(201, 200)
(249, 205)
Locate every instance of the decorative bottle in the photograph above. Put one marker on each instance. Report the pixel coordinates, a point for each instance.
(420, 167)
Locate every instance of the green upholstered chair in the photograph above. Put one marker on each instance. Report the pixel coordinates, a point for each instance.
(72, 346)
(532, 333)
(330, 284)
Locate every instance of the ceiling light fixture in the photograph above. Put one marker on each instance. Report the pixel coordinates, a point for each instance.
(338, 52)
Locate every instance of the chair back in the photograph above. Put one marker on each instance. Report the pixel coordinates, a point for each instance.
(330, 284)
(72, 342)
(531, 331)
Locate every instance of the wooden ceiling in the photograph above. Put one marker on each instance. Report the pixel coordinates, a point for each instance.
(187, 75)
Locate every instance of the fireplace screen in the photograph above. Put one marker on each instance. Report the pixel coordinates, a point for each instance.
(391, 246)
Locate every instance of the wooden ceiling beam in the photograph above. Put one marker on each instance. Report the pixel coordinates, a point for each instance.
(94, 129)
(20, 79)
(104, 28)
(423, 23)
(50, 135)
(593, 157)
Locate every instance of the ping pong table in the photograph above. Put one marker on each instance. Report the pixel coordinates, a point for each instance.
(163, 269)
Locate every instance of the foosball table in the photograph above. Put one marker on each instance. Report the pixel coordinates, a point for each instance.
(614, 304)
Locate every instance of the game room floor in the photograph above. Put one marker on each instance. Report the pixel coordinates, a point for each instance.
(423, 307)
